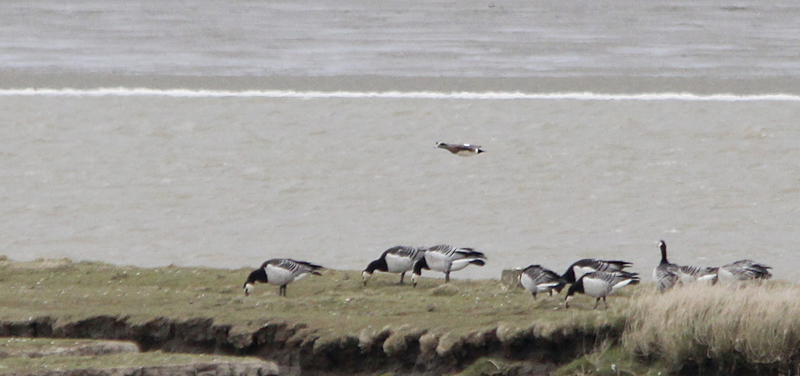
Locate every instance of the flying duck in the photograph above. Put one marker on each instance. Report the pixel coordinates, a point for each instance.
(743, 270)
(600, 285)
(584, 266)
(667, 274)
(280, 272)
(536, 279)
(464, 150)
(445, 258)
(399, 259)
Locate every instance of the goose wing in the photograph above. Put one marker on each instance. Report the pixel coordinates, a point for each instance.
(443, 249)
(666, 276)
(294, 267)
(610, 265)
(590, 265)
(688, 274)
(455, 253)
(535, 275)
(538, 274)
(463, 253)
(412, 253)
(622, 279)
(747, 269)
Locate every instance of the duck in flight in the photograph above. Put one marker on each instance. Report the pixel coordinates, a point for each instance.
(464, 150)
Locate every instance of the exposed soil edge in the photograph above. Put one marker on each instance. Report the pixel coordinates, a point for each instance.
(300, 350)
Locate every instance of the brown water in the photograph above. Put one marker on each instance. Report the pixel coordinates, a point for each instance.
(232, 180)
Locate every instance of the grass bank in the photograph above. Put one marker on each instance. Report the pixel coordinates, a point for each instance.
(707, 330)
(405, 328)
(22, 356)
(749, 329)
(336, 302)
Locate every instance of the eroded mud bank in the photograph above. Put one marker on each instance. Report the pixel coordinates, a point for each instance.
(301, 350)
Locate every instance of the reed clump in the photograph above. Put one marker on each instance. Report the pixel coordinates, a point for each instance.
(723, 326)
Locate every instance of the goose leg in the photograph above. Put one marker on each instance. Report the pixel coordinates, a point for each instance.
(282, 291)
(596, 303)
(402, 275)
(447, 276)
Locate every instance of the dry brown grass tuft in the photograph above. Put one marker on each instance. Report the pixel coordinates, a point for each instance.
(758, 324)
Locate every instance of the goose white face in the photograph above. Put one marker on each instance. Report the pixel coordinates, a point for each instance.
(247, 288)
(414, 279)
(365, 276)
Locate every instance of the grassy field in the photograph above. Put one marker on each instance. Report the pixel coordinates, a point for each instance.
(337, 301)
(757, 325)
(16, 356)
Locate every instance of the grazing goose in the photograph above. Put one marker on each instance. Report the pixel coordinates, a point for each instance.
(600, 285)
(584, 266)
(743, 270)
(445, 258)
(536, 279)
(667, 274)
(280, 272)
(464, 150)
(399, 259)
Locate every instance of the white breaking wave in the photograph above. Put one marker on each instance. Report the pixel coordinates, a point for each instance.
(584, 96)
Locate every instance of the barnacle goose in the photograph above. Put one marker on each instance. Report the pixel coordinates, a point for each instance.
(600, 285)
(536, 279)
(280, 272)
(446, 258)
(743, 270)
(584, 266)
(399, 259)
(667, 274)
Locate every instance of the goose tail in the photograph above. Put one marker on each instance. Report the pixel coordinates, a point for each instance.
(478, 262)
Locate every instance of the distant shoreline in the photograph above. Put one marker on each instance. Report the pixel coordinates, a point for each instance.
(599, 84)
(398, 95)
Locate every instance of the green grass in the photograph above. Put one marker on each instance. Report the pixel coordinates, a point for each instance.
(336, 302)
(38, 347)
(11, 345)
(756, 325)
(149, 359)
